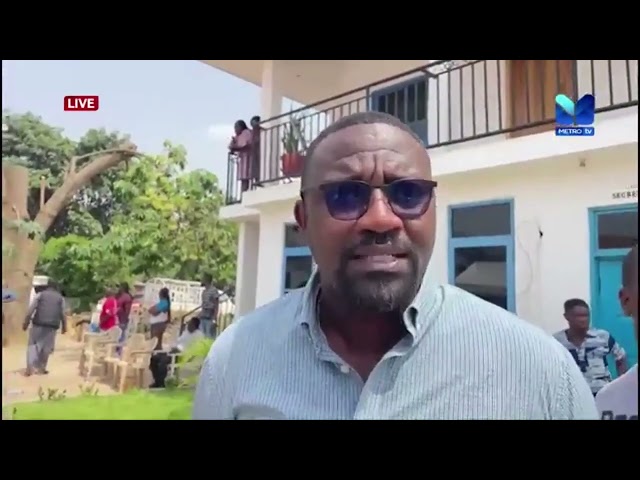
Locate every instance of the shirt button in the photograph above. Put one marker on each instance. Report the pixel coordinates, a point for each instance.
(345, 369)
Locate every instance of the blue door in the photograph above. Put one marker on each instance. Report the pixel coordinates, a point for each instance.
(609, 315)
(406, 101)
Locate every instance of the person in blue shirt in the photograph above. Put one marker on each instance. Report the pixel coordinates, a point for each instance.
(160, 315)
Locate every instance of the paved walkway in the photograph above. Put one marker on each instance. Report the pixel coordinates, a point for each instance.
(63, 376)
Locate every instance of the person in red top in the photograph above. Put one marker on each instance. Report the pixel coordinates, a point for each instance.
(124, 306)
(109, 313)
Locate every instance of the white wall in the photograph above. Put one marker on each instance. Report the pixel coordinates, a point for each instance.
(553, 195)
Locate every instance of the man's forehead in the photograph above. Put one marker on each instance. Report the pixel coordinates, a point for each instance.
(367, 137)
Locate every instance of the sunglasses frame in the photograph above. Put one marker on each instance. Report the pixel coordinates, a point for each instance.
(432, 184)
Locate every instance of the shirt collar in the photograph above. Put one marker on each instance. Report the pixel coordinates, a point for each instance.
(417, 317)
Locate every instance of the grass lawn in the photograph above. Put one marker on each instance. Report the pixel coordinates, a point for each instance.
(134, 405)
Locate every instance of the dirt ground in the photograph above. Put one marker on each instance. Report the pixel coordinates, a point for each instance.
(63, 373)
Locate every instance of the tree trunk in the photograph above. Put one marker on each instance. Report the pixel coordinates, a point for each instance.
(18, 275)
(17, 270)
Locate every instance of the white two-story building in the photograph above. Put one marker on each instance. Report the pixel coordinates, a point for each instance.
(526, 219)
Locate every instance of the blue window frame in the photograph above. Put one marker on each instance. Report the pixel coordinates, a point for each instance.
(297, 262)
(481, 250)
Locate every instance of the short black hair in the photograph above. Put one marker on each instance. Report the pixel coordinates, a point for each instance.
(360, 118)
(630, 267)
(255, 118)
(573, 303)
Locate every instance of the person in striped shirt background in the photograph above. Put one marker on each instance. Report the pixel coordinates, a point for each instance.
(372, 336)
(589, 346)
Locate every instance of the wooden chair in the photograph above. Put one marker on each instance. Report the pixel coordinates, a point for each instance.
(115, 353)
(134, 363)
(96, 348)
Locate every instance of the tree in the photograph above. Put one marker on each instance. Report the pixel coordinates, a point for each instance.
(45, 151)
(73, 173)
(166, 225)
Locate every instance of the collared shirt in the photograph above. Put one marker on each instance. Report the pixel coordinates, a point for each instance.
(619, 399)
(188, 338)
(463, 358)
(591, 356)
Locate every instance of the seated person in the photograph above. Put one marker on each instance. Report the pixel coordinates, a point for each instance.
(160, 361)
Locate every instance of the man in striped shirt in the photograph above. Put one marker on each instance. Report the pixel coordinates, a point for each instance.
(590, 347)
(371, 336)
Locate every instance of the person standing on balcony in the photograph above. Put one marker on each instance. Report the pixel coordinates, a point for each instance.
(372, 336)
(619, 399)
(241, 146)
(256, 131)
(210, 301)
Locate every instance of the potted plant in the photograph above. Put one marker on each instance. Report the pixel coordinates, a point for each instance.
(294, 146)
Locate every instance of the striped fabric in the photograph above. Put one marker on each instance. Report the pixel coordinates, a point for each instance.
(463, 358)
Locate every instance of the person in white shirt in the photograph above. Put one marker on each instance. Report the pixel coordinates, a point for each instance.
(619, 399)
(160, 361)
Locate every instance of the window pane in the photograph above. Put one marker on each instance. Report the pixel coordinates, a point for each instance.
(618, 230)
(480, 221)
(297, 272)
(482, 271)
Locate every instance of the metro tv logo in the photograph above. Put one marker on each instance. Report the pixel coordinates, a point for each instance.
(575, 119)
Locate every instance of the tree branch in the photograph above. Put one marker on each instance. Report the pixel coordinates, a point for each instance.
(75, 180)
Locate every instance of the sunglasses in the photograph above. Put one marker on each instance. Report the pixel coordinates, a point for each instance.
(349, 200)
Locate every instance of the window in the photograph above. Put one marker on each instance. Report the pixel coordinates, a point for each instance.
(481, 220)
(482, 271)
(293, 237)
(297, 272)
(617, 230)
(407, 102)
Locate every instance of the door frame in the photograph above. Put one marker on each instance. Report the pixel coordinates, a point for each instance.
(292, 252)
(596, 254)
(506, 241)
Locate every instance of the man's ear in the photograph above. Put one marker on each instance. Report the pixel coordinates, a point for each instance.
(300, 214)
(624, 301)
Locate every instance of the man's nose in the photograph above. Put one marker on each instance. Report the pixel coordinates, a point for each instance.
(379, 217)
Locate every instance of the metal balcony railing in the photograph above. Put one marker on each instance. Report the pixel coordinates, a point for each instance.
(448, 102)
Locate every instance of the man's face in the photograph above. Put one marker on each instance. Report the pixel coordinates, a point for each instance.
(578, 318)
(374, 263)
(254, 123)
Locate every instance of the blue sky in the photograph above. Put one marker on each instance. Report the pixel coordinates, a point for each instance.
(184, 101)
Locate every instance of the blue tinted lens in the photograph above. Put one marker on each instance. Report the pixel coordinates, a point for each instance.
(347, 200)
(409, 195)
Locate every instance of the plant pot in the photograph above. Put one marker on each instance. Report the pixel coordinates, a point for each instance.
(292, 164)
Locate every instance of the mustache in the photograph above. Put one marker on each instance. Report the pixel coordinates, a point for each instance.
(389, 239)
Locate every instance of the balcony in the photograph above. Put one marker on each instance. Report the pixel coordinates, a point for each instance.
(451, 101)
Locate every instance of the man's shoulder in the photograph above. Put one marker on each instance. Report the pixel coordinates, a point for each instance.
(599, 333)
(272, 320)
(496, 325)
(626, 382)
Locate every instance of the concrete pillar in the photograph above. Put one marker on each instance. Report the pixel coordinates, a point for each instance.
(271, 106)
(270, 256)
(247, 265)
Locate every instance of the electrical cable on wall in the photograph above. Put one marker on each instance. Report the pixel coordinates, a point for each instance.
(527, 254)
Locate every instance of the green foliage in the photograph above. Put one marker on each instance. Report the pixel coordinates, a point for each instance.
(192, 360)
(148, 219)
(134, 405)
(293, 138)
(44, 149)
